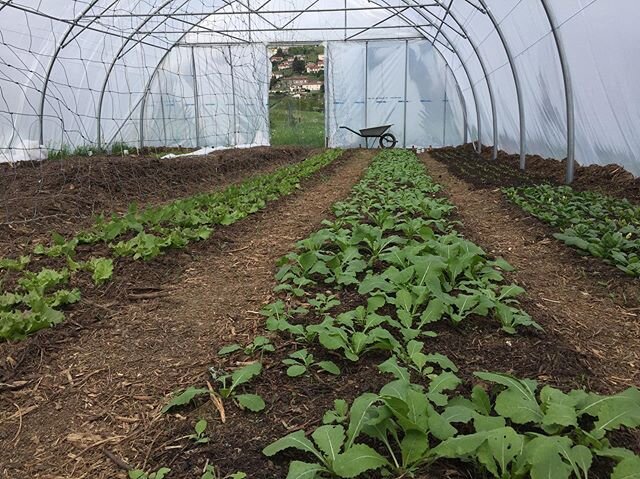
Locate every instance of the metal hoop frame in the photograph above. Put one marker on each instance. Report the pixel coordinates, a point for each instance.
(77, 26)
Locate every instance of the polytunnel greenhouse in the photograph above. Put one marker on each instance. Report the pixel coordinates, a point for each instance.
(319, 239)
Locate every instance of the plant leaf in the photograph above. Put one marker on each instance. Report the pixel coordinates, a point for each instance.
(356, 460)
(184, 397)
(518, 402)
(304, 470)
(252, 402)
(296, 440)
(329, 366)
(329, 440)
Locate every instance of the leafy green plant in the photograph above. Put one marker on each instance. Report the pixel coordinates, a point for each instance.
(410, 357)
(184, 397)
(199, 435)
(334, 453)
(140, 474)
(142, 234)
(260, 344)
(324, 303)
(230, 382)
(521, 433)
(355, 332)
(210, 472)
(101, 269)
(60, 247)
(14, 264)
(595, 224)
(301, 361)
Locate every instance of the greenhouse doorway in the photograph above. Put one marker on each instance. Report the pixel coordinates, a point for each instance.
(296, 95)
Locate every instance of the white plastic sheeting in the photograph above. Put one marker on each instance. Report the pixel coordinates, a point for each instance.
(402, 83)
(231, 86)
(76, 72)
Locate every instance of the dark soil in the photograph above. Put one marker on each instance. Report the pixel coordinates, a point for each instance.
(90, 390)
(65, 195)
(480, 171)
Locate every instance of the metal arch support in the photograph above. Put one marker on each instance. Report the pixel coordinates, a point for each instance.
(474, 92)
(568, 90)
(492, 100)
(483, 66)
(455, 51)
(465, 118)
(463, 102)
(52, 63)
(516, 80)
(147, 88)
(148, 18)
(485, 73)
(419, 11)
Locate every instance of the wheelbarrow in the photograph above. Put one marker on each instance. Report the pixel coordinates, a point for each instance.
(386, 140)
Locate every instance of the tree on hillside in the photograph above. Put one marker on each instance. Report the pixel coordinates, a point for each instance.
(298, 66)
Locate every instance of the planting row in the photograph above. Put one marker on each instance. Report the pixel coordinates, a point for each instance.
(36, 287)
(597, 225)
(370, 284)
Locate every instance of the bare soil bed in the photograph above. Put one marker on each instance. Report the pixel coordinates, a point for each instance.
(463, 161)
(64, 195)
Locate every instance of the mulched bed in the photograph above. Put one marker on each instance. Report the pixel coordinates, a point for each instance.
(480, 171)
(64, 195)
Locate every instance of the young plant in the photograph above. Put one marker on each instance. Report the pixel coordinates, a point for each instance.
(199, 436)
(229, 384)
(323, 303)
(260, 345)
(301, 361)
(210, 472)
(140, 474)
(333, 450)
(356, 332)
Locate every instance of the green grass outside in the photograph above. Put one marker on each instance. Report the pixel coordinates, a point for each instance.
(297, 121)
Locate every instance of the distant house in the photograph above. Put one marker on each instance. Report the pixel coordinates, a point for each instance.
(298, 84)
(321, 58)
(314, 67)
(314, 85)
(276, 59)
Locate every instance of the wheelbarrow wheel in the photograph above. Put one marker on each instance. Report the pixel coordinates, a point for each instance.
(388, 141)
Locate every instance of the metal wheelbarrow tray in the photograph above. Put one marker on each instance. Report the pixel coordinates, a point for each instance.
(387, 140)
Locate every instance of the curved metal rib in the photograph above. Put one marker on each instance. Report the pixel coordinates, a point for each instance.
(516, 80)
(147, 19)
(568, 90)
(483, 66)
(52, 63)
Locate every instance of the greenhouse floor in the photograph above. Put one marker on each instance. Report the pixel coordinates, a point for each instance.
(85, 396)
(576, 295)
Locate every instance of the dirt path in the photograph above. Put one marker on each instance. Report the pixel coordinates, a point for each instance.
(102, 389)
(574, 304)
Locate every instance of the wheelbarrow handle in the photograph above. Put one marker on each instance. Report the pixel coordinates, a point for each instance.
(352, 131)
